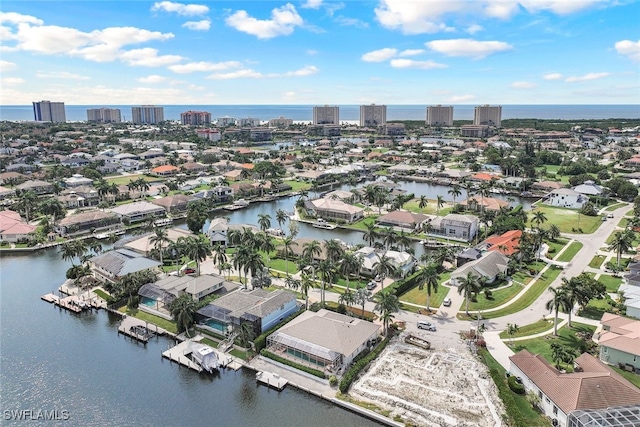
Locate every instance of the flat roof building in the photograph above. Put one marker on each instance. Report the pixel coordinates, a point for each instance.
(439, 115)
(47, 111)
(373, 115)
(195, 118)
(488, 115)
(326, 115)
(147, 114)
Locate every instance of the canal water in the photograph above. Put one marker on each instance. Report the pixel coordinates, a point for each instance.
(51, 359)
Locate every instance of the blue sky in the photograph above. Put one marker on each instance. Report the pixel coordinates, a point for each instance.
(321, 52)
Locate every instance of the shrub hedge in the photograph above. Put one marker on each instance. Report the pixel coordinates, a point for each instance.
(315, 372)
(514, 385)
(359, 365)
(401, 286)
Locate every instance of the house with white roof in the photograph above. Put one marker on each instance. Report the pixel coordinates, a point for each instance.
(487, 267)
(455, 226)
(404, 262)
(138, 211)
(334, 209)
(566, 198)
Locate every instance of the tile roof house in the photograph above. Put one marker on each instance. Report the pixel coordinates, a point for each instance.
(174, 204)
(402, 261)
(619, 339)
(112, 265)
(404, 219)
(488, 267)
(333, 209)
(138, 211)
(507, 243)
(13, 228)
(166, 170)
(592, 385)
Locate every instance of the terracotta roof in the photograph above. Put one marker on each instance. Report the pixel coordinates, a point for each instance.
(165, 168)
(596, 386)
(506, 244)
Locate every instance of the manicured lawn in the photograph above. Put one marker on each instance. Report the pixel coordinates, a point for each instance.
(282, 265)
(597, 261)
(528, 298)
(362, 224)
(498, 298)
(156, 320)
(630, 376)
(612, 283)
(531, 329)
(555, 247)
(596, 308)
(419, 297)
(566, 336)
(614, 207)
(570, 252)
(102, 294)
(568, 220)
(298, 185)
(517, 408)
(119, 180)
(623, 223)
(413, 205)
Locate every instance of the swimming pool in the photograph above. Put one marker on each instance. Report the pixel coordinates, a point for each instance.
(149, 302)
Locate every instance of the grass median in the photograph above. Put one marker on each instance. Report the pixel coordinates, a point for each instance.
(570, 252)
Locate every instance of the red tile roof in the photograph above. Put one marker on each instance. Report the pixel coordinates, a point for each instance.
(506, 244)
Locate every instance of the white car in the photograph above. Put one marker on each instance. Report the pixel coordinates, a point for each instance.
(447, 302)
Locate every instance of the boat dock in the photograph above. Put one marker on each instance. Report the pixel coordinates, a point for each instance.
(72, 303)
(138, 329)
(181, 353)
(271, 379)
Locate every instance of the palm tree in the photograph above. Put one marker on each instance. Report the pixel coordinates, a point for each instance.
(198, 250)
(287, 242)
(370, 234)
(334, 250)
(553, 232)
(390, 237)
(26, 202)
(512, 329)
(403, 240)
(349, 265)
(311, 250)
(423, 202)
(219, 256)
(347, 298)
(306, 282)
(539, 218)
(264, 243)
(387, 303)
(621, 243)
(253, 263)
(383, 267)
(281, 217)
(328, 274)
(183, 310)
(484, 192)
(557, 302)
(68, 251)
(239, 260)
(361, 297)
(468, 286)
(428, 276)
(264, 221)
(54, 208)
(455, 192)
(159, 239)
(439, 204)
(143, 185)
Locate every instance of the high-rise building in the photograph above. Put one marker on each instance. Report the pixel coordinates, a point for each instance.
(147, 114)
(326, 115)
(373, 115)
(195, 118)
(47, 111)
(439, 115)
(488, 115)
(104, 115)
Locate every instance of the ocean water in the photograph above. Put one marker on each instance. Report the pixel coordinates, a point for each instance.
(348, 113)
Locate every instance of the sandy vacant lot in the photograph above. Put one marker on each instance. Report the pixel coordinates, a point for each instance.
(431, 387)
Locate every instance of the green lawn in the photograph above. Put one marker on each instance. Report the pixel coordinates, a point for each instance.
(623, 223)
(570, 252)
(281, 265)
(413, 205)
(612, 283)
(596, 308)
(498, 298)
(156, 320)
(119, 180)
(529, 297)
(555, 247)
(568, 220)
(531, 329)
(298, 185)
(566, 336)
(614, 207)
(518, 410)
(362, 224)
(597, 261)
(630, 376)
(419, 297)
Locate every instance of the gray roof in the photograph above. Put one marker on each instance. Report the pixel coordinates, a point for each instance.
(123, 261)
(333, 331)
(258, 302)
(136, 208)
(189, 284)
(488, 266)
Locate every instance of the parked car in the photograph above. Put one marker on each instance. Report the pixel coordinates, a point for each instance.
(610, 215)
(189, 271)
(447, 302)
(371, 285)
(426, 325)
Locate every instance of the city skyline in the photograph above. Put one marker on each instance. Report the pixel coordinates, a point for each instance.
(316, 52)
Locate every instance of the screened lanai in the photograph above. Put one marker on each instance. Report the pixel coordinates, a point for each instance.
(154, 297)
(291, 347)
(618, 416)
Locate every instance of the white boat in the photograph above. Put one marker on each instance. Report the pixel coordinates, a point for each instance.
(276, 232)
(321, 223)
(205, 356)
(238, 204)
(162, 222)
(101, 236)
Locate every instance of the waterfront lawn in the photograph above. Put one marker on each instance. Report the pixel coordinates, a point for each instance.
(413, 205)
(528, 298)
(147, 317)
(568, 220)
(566, 336)
(538, 327)
(629, 376)
(419, 297)
(499, 297)
(519, 411)
(362, 224)
(298, 185)
(597, 261)
(570, 252)
(102, 294)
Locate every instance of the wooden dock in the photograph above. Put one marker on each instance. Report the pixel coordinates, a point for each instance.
(272, 380)
(72, 303)
(180, 354)
(138, 329)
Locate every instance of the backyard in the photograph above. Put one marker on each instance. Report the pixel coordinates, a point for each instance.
(568, 220)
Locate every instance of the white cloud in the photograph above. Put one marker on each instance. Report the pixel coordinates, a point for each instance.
(523, 85)
(248, 73)
(379, 55)
(416, 17)
(282, 23)
(472, 29)
(154, 78)
(289, 96)
(629, 48)
(305, 71)
(203, 25)
(587, 77)
(468, 47)
(17, 18)
(204, 66)
(411, 52)
(559, 7)
(552, 76)
(61, 75)
(12, 81)
(410, 63)
(180, 8)
(350, 22)
(312, 52)
(312, 4)
(148, 57)
(502, 9)
(462, 98)
(7, 66)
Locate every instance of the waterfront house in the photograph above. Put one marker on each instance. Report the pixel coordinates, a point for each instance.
(174, 204)
(12, 178)
(486, 268)
(404, 220)
(144, 246)
(619, 340)
(588, 188)
(13, 228)
(261, 308)
(165, 170)
(546, 186)
(507, 244)
(324, 340)
(566, 198)
(138, 211)
(79, 197)
(77, 180)
(592, 385)
(86, 221)
(37, 186)
(403, 262)
(112, 265)
(478, 203)
(6, 193)
(332, 209)
(455, 226)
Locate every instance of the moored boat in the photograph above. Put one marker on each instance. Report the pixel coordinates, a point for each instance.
(205, 356)
(321, 223)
